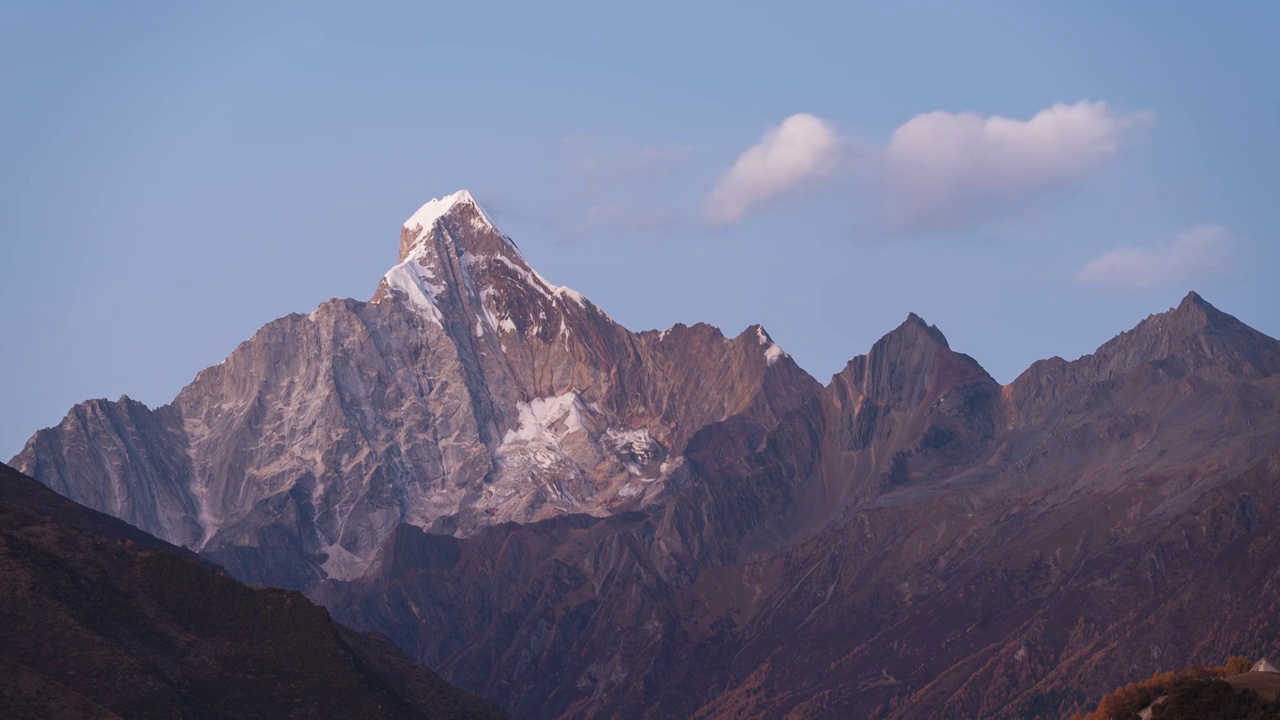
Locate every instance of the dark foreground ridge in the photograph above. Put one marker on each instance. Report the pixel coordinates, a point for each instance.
(99, 619)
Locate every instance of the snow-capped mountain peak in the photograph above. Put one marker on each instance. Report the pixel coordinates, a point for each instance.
(459, 222)
(435, 208)
(451, 241)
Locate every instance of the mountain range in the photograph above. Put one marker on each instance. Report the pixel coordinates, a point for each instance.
(578, 520)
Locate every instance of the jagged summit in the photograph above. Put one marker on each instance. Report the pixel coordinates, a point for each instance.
(1194, 299)
(435, 208)
(1194, 335)
(909, 363)
(455, 262)
(1196, 313)
(916, 322)
(458, 223)
(1192, 307)
(1195, 309)
(773, 352)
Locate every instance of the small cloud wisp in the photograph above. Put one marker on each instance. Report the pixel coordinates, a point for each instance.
(1203, 248)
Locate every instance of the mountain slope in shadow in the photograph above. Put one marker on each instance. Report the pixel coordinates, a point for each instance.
(99, 619)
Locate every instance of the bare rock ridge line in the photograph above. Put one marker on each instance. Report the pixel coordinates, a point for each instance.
(579, 520)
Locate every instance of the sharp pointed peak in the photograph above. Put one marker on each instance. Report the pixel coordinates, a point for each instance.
(1192, 336)
(912, 336)
(909, 362)
(772, 350)
(756, 330)
(478, 233)
(1193, 301)
(915, 323)
(1191, 314)
(436, 208)
(1195, 298)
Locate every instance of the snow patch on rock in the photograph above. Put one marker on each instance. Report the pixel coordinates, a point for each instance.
(544, 424)
(629, 490)
(208, 523)
(772, 351)
(637, 449)
(342, 563)
(415, 282)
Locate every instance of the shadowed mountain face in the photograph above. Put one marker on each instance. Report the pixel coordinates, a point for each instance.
(587, 522)
(99, 619)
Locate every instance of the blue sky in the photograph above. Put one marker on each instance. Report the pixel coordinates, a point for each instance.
(173, 176)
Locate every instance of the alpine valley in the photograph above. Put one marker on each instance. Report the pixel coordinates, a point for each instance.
(575, 520)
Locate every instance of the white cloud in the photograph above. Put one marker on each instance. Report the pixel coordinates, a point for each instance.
(1199, 249)
(945, 169)
(801, 148)
(939, 170)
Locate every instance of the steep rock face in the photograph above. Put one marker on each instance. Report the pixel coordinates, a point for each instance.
(469, 391)
(125, 460)
(910, 411)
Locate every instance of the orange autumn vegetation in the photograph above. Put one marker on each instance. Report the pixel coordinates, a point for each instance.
(1132, 698)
